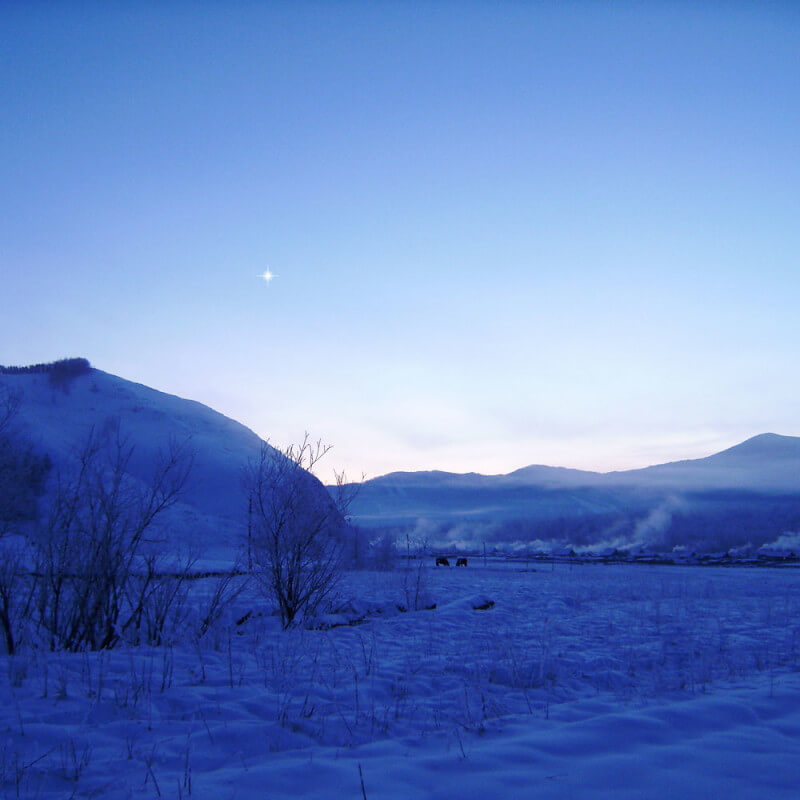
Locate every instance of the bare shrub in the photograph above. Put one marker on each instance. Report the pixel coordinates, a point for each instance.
(297, 532)
(16, 596)
(89, 554)
(21, 476)
(226, 589)
(158, 599)
(415, 590)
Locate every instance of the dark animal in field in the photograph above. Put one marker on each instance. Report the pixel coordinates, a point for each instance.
(441, 561)
(461, 562)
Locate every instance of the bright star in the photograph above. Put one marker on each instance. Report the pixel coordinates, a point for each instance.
(267, 276)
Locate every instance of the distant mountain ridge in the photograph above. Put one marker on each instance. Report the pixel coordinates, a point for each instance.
(746, 494)
(768, 461)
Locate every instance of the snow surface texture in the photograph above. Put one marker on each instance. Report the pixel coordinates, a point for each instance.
(213, 510)
(579, 682)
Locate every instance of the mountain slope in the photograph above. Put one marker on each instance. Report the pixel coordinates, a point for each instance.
(211, 519)
(766, 463)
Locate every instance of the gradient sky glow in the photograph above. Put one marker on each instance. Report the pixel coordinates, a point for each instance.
(562, 233)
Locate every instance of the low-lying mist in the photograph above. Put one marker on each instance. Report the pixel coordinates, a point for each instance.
(696, 522)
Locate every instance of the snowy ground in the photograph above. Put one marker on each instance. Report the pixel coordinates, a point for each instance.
(591, 681)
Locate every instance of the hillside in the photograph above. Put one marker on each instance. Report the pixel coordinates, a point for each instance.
(57, 417)
(765, 463)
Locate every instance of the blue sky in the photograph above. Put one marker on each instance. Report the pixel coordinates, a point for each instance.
(504, 234)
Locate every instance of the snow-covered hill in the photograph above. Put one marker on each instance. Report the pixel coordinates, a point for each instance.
(211, 518)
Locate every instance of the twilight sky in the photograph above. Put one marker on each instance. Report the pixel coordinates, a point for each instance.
(503, 234)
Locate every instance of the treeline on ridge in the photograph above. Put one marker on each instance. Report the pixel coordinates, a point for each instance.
(66, 367)
(60, 373)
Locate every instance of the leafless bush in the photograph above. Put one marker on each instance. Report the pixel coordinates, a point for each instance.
(21, 472)
(94, 585)
(16, 596)
(296, 530)
(227, 588)
(415, 591)
(157, 597)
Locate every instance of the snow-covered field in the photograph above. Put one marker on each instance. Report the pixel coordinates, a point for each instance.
(583, 681)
